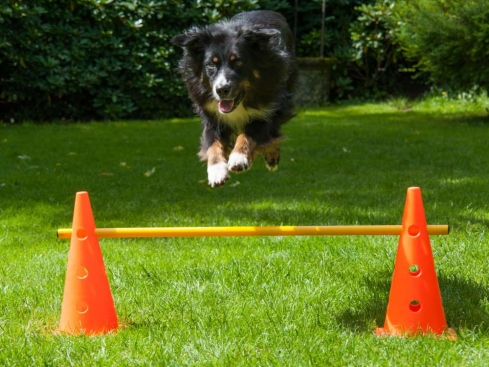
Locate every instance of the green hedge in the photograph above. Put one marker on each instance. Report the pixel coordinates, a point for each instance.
(112, 59)
(360, 35)
(96, 59)
(103, 59)
(449, 39)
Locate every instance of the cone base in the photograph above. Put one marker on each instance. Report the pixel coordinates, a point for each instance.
(446, 334)
(81, 327)
(66, 330)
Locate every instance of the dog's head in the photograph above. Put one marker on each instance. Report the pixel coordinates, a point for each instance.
(226, 60)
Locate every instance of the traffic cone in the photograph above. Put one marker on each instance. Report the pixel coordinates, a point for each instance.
(88, 307)
(415, 305)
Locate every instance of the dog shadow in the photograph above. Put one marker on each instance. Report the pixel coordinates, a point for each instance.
(466, 304)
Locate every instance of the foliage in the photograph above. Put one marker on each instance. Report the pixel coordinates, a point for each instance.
(112, 59)
(305, 19)
(448, 39)
(375, 46)
(362, 36)
(442, 100)
(89, 59)
(92, 59)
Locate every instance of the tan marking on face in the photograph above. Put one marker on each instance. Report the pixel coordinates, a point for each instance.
(246, 84)
(215, 60)
(256, 73)
(232, 58)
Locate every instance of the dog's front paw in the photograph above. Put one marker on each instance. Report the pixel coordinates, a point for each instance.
(217, 174)
(238, 162)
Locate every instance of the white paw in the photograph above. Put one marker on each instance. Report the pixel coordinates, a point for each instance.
(217, 174)
(238, 162)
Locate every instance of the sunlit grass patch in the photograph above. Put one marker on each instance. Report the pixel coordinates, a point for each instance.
(257, 300)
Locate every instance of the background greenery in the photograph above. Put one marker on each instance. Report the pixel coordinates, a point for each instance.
(103, 59)
(247, 301)
(448, 39)
(90, 59)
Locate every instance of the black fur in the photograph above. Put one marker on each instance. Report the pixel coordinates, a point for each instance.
(240, 75)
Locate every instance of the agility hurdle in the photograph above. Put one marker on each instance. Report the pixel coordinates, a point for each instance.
(372, 230)
(414, 302)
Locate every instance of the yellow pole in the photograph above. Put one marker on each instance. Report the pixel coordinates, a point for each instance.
(254, 231)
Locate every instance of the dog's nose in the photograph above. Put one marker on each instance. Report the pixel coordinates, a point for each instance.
(224, 91)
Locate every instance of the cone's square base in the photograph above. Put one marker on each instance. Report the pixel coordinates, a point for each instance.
(80, 331)
(447, 334)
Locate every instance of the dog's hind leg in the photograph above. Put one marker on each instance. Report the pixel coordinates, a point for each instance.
(272, 157)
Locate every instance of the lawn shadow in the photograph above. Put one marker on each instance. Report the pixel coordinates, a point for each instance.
(463, 303)
(362, 318)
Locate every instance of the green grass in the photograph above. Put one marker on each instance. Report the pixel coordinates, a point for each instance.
(247, 301)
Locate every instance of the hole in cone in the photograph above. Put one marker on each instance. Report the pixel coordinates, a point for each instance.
(82, 307)
(415, 306)
(414, 270)
(413, 230)
(82, 272)
(81, 233)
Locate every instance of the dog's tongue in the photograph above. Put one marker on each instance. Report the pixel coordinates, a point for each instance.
(226, 105)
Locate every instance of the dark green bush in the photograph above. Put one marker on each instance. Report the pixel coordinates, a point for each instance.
(379, 66)
(360, 34)
(448, 38)
(111, 59)
(305, 19)
(96, 59)
(374, 44)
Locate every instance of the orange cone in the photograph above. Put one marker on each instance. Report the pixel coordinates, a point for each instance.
(88, 307)
(415, 305)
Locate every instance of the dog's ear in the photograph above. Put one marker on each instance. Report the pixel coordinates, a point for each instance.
(263, 37)
(181, 40)
(194, 38)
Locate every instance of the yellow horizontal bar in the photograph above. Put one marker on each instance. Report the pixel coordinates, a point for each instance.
(254, 231)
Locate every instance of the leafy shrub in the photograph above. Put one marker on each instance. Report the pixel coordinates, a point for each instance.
(112, 59)
(305, 19)
(96, 59)
(448, 39)
(374, 44)
(362, 36)
(377, 67)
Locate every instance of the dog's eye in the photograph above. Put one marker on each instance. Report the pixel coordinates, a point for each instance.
(239, 63)
(210, 64)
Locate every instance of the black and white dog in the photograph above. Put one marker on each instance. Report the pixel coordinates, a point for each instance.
(240, 75)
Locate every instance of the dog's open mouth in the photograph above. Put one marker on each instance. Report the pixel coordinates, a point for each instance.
(226, 105)
(229, 105)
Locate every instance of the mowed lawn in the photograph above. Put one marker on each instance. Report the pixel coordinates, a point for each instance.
(257, 301)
